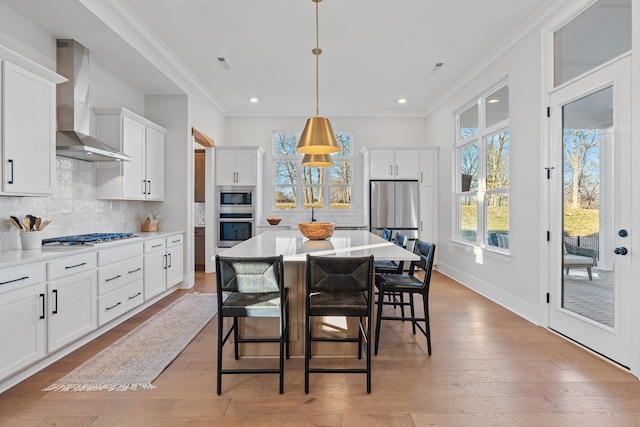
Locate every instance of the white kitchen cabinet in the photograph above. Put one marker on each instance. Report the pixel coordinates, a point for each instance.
(142, 178)
(387, 163)
(71, 297)
(236, 166)
(163, 264)
(28, 137)
(154, 272)
(428, 180)
(174, 260)
(120, 281)
(23, 317)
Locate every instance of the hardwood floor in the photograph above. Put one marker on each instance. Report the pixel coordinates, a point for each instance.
(489, 368)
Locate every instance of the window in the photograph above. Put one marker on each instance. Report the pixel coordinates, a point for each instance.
(298, 188)
(482, 189)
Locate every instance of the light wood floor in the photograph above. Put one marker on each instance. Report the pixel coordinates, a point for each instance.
(489, 368)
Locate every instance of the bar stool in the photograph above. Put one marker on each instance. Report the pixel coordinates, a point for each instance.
(255, 288)
(339, 286)
(393, 284)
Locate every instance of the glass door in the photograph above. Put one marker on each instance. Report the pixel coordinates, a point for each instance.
(591, 211)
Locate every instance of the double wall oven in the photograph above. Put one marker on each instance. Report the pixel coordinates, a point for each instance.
(235, 220)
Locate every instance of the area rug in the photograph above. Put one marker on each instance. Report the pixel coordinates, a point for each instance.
(135, 360)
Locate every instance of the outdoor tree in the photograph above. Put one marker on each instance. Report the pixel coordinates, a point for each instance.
(581, 148)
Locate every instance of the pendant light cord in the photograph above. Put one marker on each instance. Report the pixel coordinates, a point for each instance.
(317, 52)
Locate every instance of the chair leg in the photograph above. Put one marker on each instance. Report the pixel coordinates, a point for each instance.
(413, 313)
(378, 319)
(307, 353)
(220, 344)
(282, 351)
(360, 328)
(427, 327)
(589, 271)
(369, 352)
(235, 338)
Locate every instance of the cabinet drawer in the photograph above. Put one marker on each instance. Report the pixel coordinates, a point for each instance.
(119, 302)
(14, 278)
(154, 245)
(116, 275)
(119, 253)
(71, 265)
(176, 240)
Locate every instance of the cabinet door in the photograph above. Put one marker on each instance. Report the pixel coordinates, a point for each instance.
(406, 164)
(428, 210)
(246, 165)
(133, 178)
(23, 331)
(225, 167)
(72, 308)
(428, 167)
(154, 164)
(29, 132)
(199, 179)
(175, 269)
(381, 164)
(154, 274)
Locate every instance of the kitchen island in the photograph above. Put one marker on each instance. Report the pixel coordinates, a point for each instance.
(294, 247)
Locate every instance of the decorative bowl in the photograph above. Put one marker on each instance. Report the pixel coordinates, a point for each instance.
(274, 221)
(317, 230)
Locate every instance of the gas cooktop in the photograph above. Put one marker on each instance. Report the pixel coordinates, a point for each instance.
(87, 239)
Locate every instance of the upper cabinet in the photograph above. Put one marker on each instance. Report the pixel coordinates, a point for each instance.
(27, 129)
(237, 165)
(142, 178)
(385, 163)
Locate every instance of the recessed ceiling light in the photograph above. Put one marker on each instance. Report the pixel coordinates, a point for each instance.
(493, 100)
(253, 100)
(402, 100)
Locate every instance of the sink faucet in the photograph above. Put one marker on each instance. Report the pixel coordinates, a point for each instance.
(313, 215)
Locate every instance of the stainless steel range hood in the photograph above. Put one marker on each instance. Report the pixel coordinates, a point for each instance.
(73, 139)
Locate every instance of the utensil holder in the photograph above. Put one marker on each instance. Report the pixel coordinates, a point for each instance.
(31, 240)
(150, 225)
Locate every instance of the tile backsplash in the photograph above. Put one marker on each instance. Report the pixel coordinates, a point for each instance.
(73, 208)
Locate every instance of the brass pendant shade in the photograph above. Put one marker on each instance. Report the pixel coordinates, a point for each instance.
(317, 137)
(317, 160)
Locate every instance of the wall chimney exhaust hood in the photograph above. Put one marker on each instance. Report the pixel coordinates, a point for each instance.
(73, 139)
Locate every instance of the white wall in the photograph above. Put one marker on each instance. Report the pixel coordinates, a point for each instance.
(367, 132)
(511, 281)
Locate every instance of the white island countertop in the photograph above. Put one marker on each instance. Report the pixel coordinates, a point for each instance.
(295, 247)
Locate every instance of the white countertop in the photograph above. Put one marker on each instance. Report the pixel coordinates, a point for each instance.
(295, 247)
(19, 257)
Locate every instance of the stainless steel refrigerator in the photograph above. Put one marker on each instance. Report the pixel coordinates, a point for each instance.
(394, 205)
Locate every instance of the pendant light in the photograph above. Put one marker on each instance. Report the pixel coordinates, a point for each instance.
(317, 137)
(317, 160)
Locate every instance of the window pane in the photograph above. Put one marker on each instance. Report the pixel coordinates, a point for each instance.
(597, 35)
(285, 197)
(312, 197)
(469, 167)
(497, 106)
(340, 197)
(286, 172)
(468, 218)
(498, 160)
(312, 175)
(345, 143)
(469, 122)
(340, 172)
(284, 144)
(498, 220)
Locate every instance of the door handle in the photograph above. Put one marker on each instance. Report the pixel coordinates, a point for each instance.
(620, 251)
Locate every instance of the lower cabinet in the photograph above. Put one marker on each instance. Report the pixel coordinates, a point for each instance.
(23, 318)
(163, 264)
(120, 281)
(71, 295)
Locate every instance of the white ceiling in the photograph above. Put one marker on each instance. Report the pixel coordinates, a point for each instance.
(374, 51)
